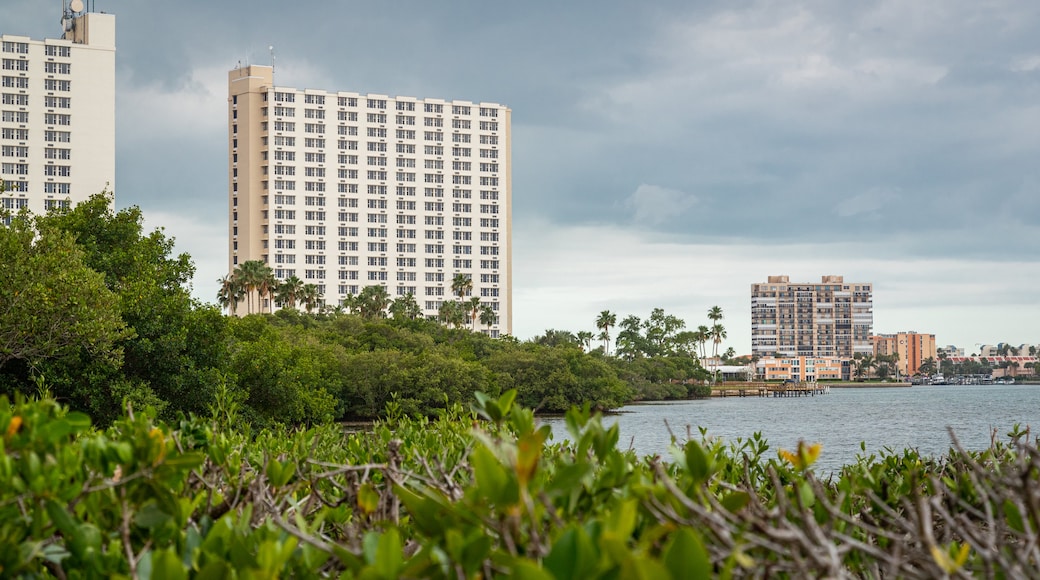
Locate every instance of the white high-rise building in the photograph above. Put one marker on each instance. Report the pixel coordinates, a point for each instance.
(57, 113)
(345, 190)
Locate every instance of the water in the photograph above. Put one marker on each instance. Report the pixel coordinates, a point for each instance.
(896, 418)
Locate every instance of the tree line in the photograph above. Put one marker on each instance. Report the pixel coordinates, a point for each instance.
(98, 311)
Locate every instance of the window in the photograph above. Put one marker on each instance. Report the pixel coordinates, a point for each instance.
(489, 139)
(433, 108)
(56, 203)
(284, 126)
(488, 222)
(347, 202)
(376, 103)
(22, 100)
(313, 113)
(314, 230)
(461, 249)
(376, 118)
(461, 151)
(489, 181)
(489, 167)
(22, 151)
(347, 101)
(405, 120)
(379, 147)
(348, 145)
(489, 125)
(461, 207)
(434, 248)
(17, 117)
(434, 150)
(311, 157)
(60, 68)
(19, 47)
(314, 99)
(406, 190)
(347, 116)
(57, 85)
(405, 106)
(434, 220)
(406, 148)
(313, 128)
(57, 170)
(405, 234)
(57, 136)
(377, 190)
(406, 248)
(488, 112)
(51, 50)
(284, 185)
(435, 276)
(489, 264)
(346, 216)
(463, 222)
(61, 188)
(17, 168)
(433, 178)
(461, 165)
(433, 136)
(488, 195)
(405, 134)
(461, 179)
(16, 82)
(460, 124)
(377, 276)
(434, 206)
(377, 175)
(285, 97)
(348, 187)
(377, 232)
(377, 132)
(348, 232)
(16, 64)
(348, 130)
(348, 247)
(489, 153)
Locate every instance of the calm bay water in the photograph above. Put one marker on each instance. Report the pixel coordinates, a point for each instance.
(897, 418)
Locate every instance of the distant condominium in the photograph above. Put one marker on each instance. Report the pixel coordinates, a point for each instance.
(912, 349)
(344, 191)
(816, 319)
(57, 113)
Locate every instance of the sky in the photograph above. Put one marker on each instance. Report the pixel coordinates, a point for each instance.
(665, 153)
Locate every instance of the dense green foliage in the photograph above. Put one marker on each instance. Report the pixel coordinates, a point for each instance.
(99, 311)
(488, 493)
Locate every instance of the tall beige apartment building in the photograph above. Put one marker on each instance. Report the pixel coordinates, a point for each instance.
(57, 113)
(345, 190)
(826, 318)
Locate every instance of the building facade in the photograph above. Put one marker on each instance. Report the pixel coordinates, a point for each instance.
(801, 369)
(344, 191)
(830, 318)
(57, 114)
(911, 350)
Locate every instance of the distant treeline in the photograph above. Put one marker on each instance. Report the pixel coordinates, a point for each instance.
(99, 313)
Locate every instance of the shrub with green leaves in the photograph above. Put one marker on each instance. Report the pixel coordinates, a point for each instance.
(486, 492)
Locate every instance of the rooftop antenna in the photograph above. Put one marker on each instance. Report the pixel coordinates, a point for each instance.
(271, 48)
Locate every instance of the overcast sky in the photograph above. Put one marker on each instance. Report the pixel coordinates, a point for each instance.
(666, 154)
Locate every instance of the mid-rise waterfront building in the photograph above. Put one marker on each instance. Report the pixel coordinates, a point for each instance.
(911, 350)
(57, 113)
(345, 190)
(829, 318)
(802, 369)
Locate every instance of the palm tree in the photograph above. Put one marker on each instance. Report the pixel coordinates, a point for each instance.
(718, 334)
(289, 292)
(585, 338)
(373, 301)
(405, 307)
(461, 285)
(605, 320)
(474, 310)
(703, 334)
(266, 285)
(230, 293)
(487, 317)
(452, 313)
(310, 296)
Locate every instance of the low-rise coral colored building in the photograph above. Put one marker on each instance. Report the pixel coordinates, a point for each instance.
(800, 368)
(912, 348)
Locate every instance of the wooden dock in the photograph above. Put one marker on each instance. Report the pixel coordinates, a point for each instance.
(761, 389)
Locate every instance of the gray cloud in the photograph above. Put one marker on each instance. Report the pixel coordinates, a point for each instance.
(754, 123)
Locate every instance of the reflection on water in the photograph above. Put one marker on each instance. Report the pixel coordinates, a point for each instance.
(896, 418)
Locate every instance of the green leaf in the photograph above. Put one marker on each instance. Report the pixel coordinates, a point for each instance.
(686, 557)
(526, 570)
(1014, 516)
(572, 555)
(166, 565)
(493, 482)
(697, 462)
(736, 500)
